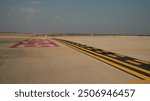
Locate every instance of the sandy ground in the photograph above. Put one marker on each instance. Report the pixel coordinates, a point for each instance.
(64, 65)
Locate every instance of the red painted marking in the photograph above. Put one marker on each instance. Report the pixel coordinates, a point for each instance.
(35, 43)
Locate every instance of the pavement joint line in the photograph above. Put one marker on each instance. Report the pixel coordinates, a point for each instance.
(130, 71)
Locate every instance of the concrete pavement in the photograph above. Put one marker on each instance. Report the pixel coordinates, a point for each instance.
(59, 64)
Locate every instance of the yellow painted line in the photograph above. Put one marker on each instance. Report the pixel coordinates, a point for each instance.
(112, 55)
(139, 82)
(145, 62)
(112, 63)
(146, 71)
(120, 55)
(133, 62)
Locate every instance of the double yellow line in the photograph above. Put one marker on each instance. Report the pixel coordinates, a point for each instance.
(132, 69)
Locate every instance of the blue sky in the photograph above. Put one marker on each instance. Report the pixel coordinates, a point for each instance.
(75, 16)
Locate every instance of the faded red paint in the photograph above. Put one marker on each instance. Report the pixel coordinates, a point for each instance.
(35, 43)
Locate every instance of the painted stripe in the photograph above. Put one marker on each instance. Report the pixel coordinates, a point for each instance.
(139, 82)
(15, 45)
(122, 65)
(139, 75)
(141, 61)
(35, 43)
(105, 59)
(120, 55)
(112, 55)
(133, 62)
(146, 71)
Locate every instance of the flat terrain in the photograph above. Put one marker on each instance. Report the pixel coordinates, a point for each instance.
(65, 65)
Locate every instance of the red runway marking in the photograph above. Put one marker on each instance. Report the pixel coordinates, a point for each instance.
(35, 43)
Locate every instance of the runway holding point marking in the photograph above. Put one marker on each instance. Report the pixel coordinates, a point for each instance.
(133, 66)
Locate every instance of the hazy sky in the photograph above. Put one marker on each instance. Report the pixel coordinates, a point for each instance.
(75, 16)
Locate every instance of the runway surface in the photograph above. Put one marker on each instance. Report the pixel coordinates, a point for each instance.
(136, 67)
(41, 60)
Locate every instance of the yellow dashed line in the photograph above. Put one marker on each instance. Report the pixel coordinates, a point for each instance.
(120, 55)
(145, 62)
(146, 71)
(86, 51)
(112, 55)
(99, 51)
(133, 62)
(113, 64)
